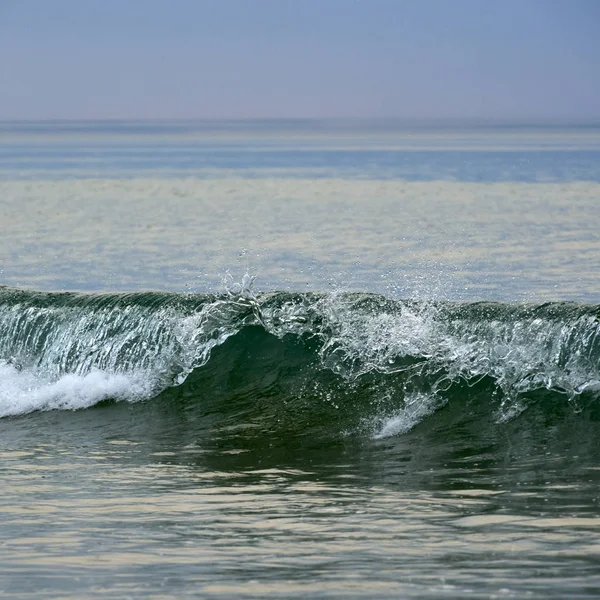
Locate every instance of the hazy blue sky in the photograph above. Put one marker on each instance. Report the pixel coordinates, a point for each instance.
(300, 58)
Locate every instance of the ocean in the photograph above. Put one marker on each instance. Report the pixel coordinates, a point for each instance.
(299, 359)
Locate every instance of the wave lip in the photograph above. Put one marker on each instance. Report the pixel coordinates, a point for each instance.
(396, 361)
(67, 350)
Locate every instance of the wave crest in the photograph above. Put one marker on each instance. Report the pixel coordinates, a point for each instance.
(399, 359)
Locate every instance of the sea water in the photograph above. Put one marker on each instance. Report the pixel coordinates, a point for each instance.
(299, 359)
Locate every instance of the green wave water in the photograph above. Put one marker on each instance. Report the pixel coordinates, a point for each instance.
(311, 364)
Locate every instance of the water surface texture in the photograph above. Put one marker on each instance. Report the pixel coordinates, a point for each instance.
(299, 359)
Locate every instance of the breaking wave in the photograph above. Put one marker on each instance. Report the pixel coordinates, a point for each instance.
(362, 360)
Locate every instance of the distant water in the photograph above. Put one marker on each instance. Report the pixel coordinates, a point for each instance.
(299, 359)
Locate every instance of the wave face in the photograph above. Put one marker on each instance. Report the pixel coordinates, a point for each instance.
(312, 361)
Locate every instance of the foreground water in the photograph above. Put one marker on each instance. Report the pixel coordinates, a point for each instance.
(404, 403)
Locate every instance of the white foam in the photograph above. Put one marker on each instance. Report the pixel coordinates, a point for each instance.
(24, 391)
(417, 406)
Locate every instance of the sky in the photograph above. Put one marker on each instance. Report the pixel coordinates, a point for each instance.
(220, 59)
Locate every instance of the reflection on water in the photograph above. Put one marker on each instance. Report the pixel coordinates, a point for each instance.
(503, 241)
(149, 498)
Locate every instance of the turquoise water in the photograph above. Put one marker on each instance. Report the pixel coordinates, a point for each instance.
(299, 359)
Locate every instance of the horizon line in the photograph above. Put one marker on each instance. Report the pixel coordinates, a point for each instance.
(291, 119)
